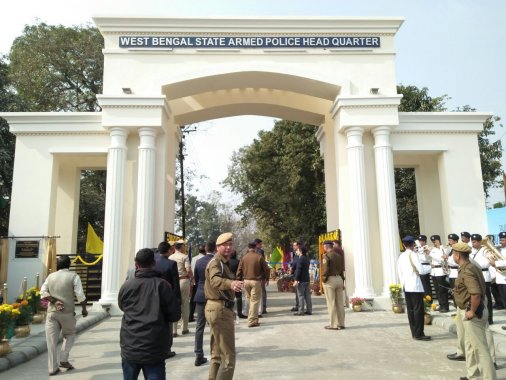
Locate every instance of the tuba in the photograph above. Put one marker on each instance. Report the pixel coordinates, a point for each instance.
(494, 254)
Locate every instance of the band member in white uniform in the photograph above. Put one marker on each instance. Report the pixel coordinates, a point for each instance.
(454, 268)
(422, 250)
(500, 266)
(482, 256)
(465, 237)
(439, 258)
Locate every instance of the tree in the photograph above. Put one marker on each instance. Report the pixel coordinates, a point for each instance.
(65, 66)
(280, 177)
(91, 205)
(8, 102)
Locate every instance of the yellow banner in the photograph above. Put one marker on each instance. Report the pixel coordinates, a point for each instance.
(332, 235)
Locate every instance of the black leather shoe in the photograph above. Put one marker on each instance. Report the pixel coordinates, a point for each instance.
(200, 360)
(298, 314)
(424, 337)
(66, 365)
(503, 327)
(259, 315)
(495, 366)
(457, 357)
(171, 354)
(444, 310)
(55, 372)
(242, 316)
(463, 378)
(308, 313)
(295, 308)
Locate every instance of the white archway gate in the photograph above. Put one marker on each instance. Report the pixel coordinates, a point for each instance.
(159, 73)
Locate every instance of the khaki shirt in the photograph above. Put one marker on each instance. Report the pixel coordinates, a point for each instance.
(219, 280)
(470, 281)
(332, 265)
(183, 263)
(253, 267)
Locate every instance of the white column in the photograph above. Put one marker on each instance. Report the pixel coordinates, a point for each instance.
(145, 189)
(387, 207)
(113, 224)
(360, 225)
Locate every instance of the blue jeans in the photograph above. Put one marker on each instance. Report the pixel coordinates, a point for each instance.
(150, 371)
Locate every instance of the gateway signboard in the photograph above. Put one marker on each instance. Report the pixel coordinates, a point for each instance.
(263, 42)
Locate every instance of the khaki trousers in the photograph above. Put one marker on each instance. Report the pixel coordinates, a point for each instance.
(478, 360)
(222, 332)
(184, 284)
(254, 295)
(334, 288)
(56, 322)
(461, 346)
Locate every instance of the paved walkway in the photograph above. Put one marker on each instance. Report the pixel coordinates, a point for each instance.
(375, 344)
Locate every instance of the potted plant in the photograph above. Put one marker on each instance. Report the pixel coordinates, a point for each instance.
(33, 298)
(23, 319)
(396, 298)
(357, 303)
(8, 315)
(427, 305)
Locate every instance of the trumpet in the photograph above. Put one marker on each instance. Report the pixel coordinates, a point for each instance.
(494, 254)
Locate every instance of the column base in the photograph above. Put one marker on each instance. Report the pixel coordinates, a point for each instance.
(364, 292)
(112, 308)
(110, 303)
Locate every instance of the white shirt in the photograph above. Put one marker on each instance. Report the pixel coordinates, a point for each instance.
(454, 267)
(424, 260)
(500, 277)
(410, 280)
(195, 259)
(437, 259)
(481, 257)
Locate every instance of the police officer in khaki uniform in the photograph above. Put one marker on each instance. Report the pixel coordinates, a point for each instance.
(470, 296)
(185, 282)
(333, 285)
(220, 291)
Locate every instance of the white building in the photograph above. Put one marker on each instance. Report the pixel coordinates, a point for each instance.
(160, 73)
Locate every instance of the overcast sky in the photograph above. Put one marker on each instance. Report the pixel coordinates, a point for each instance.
(453, 47)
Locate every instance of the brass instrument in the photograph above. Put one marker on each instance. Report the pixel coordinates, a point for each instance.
(494, 254)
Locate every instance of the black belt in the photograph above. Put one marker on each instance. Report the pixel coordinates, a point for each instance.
(484, 269)
(425, 263)
(452, 267)
(227, 303)
(437, 266)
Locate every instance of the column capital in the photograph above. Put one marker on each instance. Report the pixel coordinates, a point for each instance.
(382, 136)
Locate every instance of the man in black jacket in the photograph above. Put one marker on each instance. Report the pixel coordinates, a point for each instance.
(148, 304)
(168, 270)
(200, 302)
(302, 283)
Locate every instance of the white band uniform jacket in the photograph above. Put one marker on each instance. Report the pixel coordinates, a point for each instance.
(437, 259)
(481, 257)
(425, 260)
(410, 280)
(501, 277)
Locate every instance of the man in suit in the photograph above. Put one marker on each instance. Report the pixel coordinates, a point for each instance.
(168, 269)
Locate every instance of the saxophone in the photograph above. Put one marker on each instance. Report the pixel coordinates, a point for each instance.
(494, 254)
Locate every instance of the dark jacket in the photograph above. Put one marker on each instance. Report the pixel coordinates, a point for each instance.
(234, 265)
(148, 304)
(302, 269)
(294, 262)
(168, 269)
(200, 278)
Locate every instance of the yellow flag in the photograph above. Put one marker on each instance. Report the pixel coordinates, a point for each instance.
(93, 242)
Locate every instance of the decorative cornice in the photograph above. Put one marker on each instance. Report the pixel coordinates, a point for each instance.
(361, 102)
(54, 123)
(441, 122)
(386, 25)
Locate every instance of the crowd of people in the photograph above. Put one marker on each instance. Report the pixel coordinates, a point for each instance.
(158, 294)
(473, 273)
